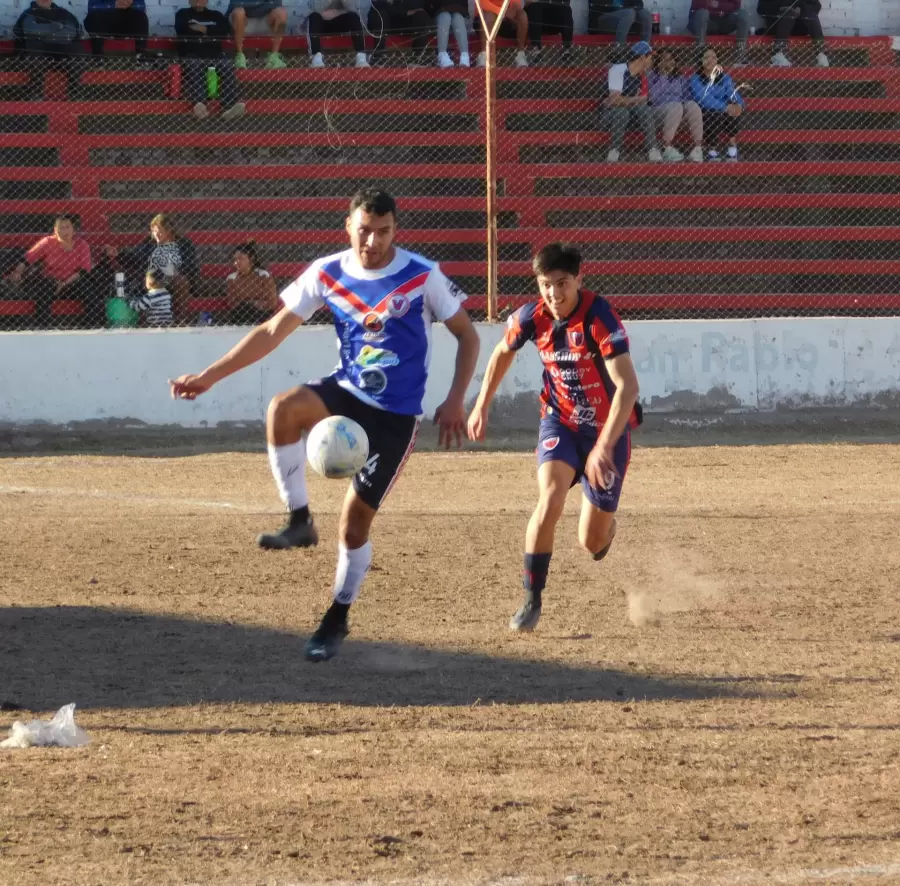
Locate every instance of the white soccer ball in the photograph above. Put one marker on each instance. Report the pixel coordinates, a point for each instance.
(337, 447)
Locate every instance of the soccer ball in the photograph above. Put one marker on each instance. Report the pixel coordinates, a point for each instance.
(337, 447)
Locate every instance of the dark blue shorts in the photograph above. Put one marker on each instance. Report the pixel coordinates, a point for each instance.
(556, 442)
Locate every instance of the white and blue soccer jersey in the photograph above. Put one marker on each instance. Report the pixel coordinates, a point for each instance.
(383, 320)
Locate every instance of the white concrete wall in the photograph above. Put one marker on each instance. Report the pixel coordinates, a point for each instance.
(840, 18)
(739, 365)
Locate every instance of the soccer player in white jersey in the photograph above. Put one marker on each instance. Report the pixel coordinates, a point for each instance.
(384, 300)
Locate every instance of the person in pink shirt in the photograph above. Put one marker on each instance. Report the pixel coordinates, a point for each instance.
(56, 267)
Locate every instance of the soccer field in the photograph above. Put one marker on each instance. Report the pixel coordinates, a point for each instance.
(715, 703)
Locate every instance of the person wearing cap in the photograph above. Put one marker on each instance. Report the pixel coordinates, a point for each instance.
(627, 101)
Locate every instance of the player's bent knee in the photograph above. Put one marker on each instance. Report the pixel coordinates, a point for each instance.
(239, 15)
(550, 508)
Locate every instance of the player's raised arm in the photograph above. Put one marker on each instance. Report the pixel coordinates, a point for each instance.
(258, 343)
(502, 358)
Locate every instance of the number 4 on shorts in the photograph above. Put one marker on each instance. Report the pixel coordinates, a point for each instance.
(370, 466)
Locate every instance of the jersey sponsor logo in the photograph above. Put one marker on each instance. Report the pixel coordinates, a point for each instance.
(576, 339)
(559, 357)
(373, 336)
(584, 414)
(369, 356)
(567, 374)
(373, 323)
(372, 381)
(398, 305)
(550, 443)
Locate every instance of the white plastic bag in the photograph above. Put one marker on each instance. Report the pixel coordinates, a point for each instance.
(60, 732)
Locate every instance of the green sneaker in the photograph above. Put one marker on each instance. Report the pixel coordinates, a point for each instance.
(240, 60)
(275, 61)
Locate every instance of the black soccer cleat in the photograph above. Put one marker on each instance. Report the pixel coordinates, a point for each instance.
(298, 532)
(529, 614)
(326, 641)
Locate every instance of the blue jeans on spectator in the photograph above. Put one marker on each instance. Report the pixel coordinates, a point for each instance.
(195, 80)
(701, 23)
(620, 22)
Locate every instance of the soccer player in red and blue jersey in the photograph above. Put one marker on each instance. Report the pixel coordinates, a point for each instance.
(588, 408)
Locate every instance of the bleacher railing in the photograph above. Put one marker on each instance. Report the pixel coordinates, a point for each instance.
(802, 223)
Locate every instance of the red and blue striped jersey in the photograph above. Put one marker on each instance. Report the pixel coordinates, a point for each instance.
(576, 384)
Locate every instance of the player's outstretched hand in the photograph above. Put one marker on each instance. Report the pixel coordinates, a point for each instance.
(188, 387)
(600, 468)
(477, 425)
(450, 417)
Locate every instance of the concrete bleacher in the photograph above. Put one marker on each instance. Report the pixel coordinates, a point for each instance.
(806, 222)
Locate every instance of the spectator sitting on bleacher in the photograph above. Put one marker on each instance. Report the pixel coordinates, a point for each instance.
(200, 32)
(401, 17)
(48, 36)
(793, 17)
(721, 103)
(453, 13)
(550, 17)
(335, 17)
(617, 17)
(671, 101)
(165, 251)
(627, 101)
(56, 267)
(514, 26)
(156, 304)
(251, 290)
(125, 19)
(720, 17)
(276, 18)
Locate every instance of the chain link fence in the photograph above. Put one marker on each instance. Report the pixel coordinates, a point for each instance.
(799, 217)
(802, 223)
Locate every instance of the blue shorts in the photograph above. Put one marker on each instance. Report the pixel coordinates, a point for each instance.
(557, 442)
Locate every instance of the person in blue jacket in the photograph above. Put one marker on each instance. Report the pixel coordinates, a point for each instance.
(125, 19)
(721, 104)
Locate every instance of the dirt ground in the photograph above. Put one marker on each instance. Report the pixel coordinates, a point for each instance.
(716, 703)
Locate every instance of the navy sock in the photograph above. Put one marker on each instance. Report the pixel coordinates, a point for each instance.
(534, 575)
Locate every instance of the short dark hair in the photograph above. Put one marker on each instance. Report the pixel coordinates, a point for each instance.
(156, 278)
(249, 249)
(376, 201)
(557, 257)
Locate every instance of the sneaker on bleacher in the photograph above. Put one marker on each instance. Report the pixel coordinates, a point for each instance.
(521, 59)
(696, 155)
(780, 60)
(464, 61)
(361, 60)
(240, 60)
(444, 60)
(275, 61)
(822, 60)
(672, 155)
(612, 156)
(201, 112)
(317, 61)
(235, 111)
(654, 155)
(731, 153)
(482, 59)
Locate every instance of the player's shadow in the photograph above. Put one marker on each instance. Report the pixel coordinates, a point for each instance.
(106, 658)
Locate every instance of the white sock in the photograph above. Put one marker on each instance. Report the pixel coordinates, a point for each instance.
(352, 567)
(288, 465)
